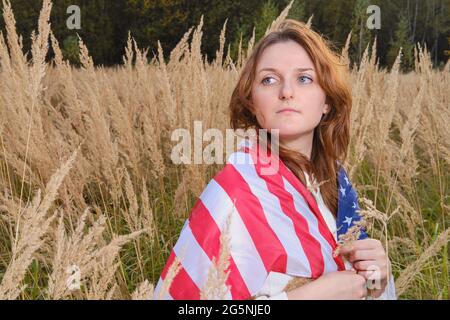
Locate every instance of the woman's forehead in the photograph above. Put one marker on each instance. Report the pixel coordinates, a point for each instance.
(273, 69)
(284, 55)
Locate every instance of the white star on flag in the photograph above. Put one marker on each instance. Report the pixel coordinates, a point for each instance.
(354, 205)
(346, 180)
(348, 220)
(342, 191)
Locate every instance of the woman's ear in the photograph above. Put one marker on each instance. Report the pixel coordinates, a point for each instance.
(327, 105)
(252, 109)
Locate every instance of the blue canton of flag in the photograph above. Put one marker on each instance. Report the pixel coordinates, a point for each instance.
(348, 208)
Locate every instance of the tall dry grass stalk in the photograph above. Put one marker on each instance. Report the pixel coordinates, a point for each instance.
(118, 213)
(30, 227)
(414, 269)
(173, 270)
(144, 291)
(215, 287)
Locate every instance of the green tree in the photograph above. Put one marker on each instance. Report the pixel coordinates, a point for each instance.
(267, 14)
(150, 21)
(297, 11)
(361, 34)
(71, 50)
(402, 39)
(105, 24)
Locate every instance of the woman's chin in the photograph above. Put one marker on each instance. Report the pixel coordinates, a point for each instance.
(289, 131)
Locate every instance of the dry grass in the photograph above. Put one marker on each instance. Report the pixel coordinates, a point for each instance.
(215, 287)
(116, 207)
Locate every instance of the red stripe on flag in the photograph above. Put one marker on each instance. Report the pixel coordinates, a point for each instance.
(309, 198)
(267, 244)
(207, 234)
(182, 286)
(311, 246)
(311, 201)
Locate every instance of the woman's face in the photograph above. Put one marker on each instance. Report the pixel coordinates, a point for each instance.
(285, 92)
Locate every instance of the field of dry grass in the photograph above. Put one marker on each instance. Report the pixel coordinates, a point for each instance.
(86, 178)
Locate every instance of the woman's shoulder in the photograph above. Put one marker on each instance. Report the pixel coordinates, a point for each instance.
(232, 176)
(233, 181)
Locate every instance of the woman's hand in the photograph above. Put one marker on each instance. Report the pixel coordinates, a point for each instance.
(370, 260)
(338, 285)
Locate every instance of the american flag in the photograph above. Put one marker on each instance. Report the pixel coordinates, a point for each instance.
(276, 226)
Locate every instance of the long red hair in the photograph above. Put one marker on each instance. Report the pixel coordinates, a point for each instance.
(332, 135)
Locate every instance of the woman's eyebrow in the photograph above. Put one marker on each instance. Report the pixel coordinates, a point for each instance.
(297, 69)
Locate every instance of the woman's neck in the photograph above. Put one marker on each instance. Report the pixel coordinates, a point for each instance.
(302, 144)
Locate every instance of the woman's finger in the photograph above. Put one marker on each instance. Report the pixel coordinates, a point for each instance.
(366, 244)
(357, 255)
(365, 265)
(346, 250)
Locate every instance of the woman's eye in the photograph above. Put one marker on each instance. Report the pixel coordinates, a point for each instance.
(264, 81)
(305, 79)
(271, 80)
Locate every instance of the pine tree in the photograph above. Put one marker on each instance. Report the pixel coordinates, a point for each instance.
(297, 11)
(402, 39)
(268, 13)
(362, 36)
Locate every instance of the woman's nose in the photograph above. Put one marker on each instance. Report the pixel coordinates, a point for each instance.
(286, 92)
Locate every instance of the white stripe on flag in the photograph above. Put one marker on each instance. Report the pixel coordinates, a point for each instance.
(242, 248)
(195, 260)
(283, 226)
(313, 225)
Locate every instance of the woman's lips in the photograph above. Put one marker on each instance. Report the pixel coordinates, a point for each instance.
(287, 110)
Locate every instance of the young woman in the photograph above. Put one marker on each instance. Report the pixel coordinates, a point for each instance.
(294, 87)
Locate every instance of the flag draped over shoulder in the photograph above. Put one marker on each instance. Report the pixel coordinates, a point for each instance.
(275, 226)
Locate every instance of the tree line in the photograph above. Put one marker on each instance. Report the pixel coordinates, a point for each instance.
(105, 25)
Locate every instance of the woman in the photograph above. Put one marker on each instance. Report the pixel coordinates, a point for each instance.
(294, 87)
